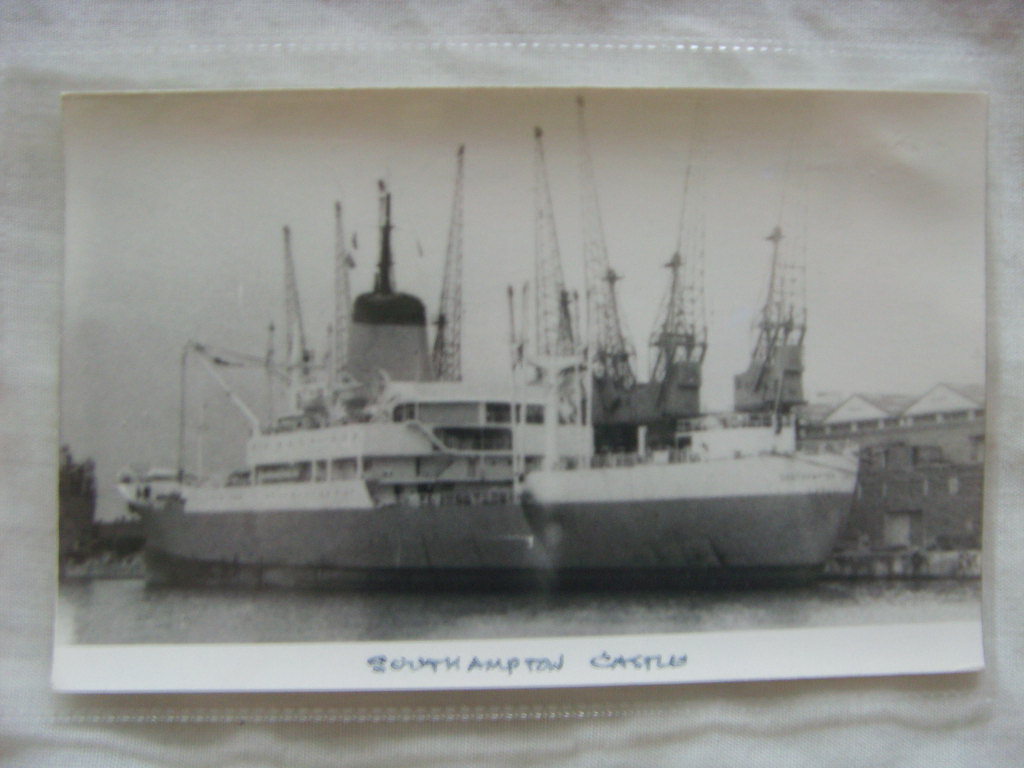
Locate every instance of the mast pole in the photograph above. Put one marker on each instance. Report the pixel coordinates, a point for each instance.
(515, 354)
(384, 284)
(181, 414)
(200, 437)
(269, 364)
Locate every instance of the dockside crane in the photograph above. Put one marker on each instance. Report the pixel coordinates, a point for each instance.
(447, 352)
(774, 380)
(552, 302)
(305, 393)
(558, 356)
(623, 409)
(679, 340)
(341, 330)
(298, 357)
(611, 353)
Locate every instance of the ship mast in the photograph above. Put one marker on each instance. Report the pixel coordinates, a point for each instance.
(383, 283)
(447, 353)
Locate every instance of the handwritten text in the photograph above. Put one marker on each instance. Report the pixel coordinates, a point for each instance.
(640, 661)
(507, 665)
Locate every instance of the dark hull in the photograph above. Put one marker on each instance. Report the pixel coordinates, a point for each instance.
(163, 570)
(396, 544)
(718, 542)
(771, 533)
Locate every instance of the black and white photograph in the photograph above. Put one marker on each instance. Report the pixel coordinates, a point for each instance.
(482, 388)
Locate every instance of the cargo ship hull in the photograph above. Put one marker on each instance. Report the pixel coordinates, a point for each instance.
(393, 545)
(779, 519)
(767, 539)
(770, 535)
(778, 523)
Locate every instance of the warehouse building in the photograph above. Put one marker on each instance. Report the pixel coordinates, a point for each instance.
(917, 510)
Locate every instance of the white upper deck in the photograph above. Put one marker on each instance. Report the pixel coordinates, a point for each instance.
(412, 419)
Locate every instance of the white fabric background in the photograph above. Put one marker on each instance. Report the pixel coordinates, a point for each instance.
(50, 47)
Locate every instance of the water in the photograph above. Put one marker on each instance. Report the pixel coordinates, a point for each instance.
(125, 611)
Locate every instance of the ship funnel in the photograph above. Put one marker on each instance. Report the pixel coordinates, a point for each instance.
(389, 328)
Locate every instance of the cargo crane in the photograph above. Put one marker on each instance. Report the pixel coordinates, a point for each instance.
(298, 357)
(552, 302)
(447, 353)
(341, 383)
(558, 357)
(304, 395)
(679, 339)
(611, 353)
(341, 330)
(774, 380)
(622, 408)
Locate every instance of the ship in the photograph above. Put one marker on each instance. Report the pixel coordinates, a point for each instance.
(387, 468)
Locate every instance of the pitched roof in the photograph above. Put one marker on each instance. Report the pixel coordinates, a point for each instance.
(815, 413)
(867, 407)
(945, 397)
(892, 404)
(975, 392)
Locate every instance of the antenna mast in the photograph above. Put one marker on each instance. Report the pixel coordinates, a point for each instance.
(448, 340)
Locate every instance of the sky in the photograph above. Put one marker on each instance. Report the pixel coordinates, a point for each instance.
(175, 204)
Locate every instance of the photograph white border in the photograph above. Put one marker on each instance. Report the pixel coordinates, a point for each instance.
(636, 659)
(895, 649)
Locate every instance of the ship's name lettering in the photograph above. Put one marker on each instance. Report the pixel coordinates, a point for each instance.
(640, 661)
(382, 664)
(507, 665)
